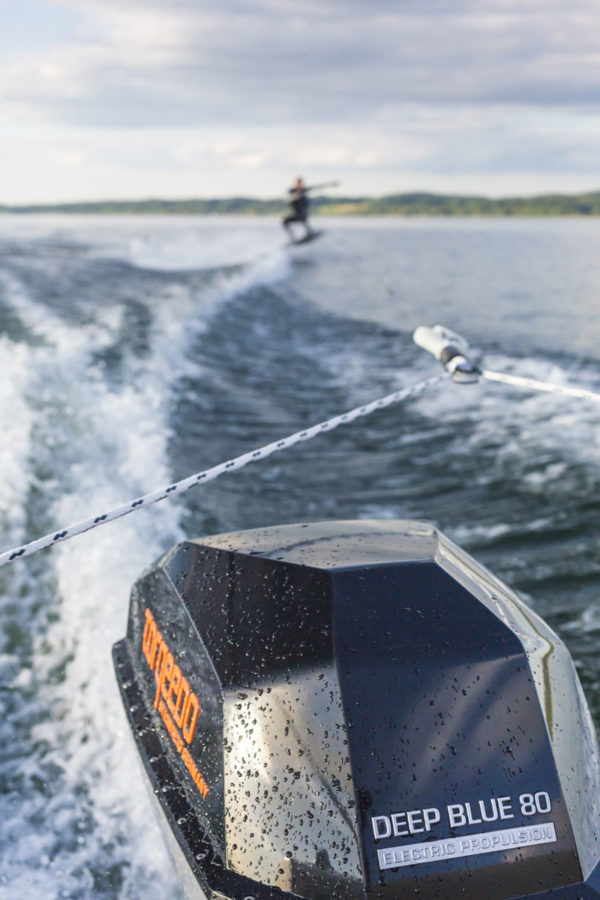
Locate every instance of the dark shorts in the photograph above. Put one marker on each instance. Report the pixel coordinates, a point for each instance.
(295, 217)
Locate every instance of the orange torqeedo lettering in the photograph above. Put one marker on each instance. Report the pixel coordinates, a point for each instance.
(175, 701)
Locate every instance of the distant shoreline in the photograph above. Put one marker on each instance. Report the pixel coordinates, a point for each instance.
(412, 204)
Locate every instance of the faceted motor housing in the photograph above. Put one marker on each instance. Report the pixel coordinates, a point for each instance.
(358, 709)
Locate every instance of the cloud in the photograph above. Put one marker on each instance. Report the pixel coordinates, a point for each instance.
(386, 92)
(281, 61)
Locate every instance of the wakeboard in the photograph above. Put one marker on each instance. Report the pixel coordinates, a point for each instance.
(311, 236)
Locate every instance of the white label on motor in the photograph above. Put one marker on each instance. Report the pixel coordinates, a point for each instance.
(469, 845)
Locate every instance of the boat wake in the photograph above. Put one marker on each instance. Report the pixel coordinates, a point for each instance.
(89, 386)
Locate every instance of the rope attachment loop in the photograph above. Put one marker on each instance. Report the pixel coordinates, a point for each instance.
(451, 349)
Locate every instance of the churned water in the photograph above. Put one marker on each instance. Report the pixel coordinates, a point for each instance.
(138, 351)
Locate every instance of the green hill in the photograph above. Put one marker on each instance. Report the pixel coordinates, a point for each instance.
(415, 204)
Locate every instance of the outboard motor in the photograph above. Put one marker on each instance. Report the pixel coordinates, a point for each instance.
(358, 710)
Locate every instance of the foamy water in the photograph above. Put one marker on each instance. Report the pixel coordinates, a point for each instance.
(83, 442)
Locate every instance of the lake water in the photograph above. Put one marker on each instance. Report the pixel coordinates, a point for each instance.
(136, 351)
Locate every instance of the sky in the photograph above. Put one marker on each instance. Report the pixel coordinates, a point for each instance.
(109, 99)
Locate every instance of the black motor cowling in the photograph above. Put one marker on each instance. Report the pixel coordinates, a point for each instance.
(358, 710)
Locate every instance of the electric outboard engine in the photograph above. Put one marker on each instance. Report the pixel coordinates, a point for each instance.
(358, 710)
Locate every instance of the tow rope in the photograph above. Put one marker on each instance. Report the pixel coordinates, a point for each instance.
(231, 465)
(533, 384)
(447, 346)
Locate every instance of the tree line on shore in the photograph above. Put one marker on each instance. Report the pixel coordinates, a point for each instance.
(411, 204)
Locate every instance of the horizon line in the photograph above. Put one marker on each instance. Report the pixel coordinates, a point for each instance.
(281, 199)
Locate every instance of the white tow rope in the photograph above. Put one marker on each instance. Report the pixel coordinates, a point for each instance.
(534, 385)
(178, 487)
(450, 348)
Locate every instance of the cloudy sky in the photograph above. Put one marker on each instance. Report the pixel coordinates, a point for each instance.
(179, 98)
